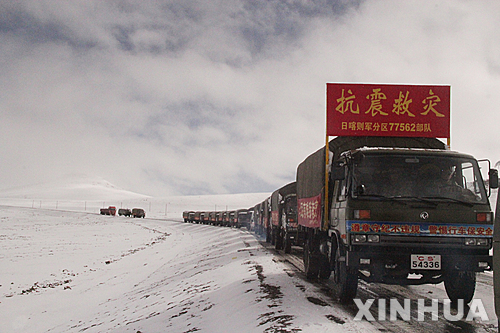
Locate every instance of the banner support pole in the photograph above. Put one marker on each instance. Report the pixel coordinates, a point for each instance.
(327, 159)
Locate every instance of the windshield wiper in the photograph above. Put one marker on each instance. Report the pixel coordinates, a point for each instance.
(452, 200)
(383, 197)
(415, 198)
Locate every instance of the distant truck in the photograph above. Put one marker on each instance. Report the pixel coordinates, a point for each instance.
(401, 211)
(138, 212)
(257, 219)
(241, 218)
(124, 212)
(288, 231)
(111, 210)
(188, 216)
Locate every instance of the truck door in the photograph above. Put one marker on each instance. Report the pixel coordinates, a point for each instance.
(496, 258)
(338, 198)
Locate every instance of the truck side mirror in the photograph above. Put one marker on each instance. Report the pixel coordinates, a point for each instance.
(337, 172)
(493, 175)
(360, 190)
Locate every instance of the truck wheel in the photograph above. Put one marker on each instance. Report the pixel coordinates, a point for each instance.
(311, 265)
(287, 244)
(460, 285)
(324, 271)
(268, 235)
(346, 280)
(279, 239)
(273, 236)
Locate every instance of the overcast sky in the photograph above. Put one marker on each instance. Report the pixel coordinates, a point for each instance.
(188, 97)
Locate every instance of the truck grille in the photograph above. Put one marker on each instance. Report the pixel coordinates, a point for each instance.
(421, 241)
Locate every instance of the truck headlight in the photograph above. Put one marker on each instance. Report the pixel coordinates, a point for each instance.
(470, 241)
(483, 264)
(481, 241)
(358, 238)
(476, 241)
(373, 238)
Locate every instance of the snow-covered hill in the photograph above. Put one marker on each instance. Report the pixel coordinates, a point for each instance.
(89, 194)
(74, 187)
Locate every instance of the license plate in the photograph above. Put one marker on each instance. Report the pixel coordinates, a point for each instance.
(425, 261)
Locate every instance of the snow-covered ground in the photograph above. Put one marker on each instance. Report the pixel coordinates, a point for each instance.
(64, 270)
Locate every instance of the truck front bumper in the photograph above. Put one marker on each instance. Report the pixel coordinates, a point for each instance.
(396, 267)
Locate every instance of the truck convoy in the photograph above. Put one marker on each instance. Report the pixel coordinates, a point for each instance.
(386, 201)
(135, 212)
(400, 211)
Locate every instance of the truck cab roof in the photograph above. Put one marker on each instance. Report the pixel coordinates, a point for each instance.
(410, 151)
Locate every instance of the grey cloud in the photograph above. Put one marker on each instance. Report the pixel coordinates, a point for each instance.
(197, 97)
(170, 27)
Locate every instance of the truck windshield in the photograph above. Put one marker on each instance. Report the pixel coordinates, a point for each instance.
(422, 176)
(291, 205)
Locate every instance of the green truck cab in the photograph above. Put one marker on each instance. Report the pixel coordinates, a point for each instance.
(400, 211)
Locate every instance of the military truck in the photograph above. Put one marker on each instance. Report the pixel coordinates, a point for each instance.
(400, 211)
(212, 216)
(266, 219)
(124, 212)
(219, 218)
(198, 217)
(242, 218)
(284, 231)
(232, 218)
(288, 226)
(138, 212)
(205, 218)
(111, 210)
(225, 219)
(187, 216)
(257, 219)
(274, 220)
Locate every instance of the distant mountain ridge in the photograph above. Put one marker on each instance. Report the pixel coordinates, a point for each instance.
(72, 188)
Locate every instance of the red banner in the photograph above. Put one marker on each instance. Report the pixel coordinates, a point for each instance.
(275, 217)
(388, 110)
(309, 212)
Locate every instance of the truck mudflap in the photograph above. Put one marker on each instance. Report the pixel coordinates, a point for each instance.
(397, 268)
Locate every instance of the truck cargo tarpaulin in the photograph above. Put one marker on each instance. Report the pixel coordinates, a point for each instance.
(388, 110)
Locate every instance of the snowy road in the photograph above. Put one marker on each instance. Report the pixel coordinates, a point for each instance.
(484, 292)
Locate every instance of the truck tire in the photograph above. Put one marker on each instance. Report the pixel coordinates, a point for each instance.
(460, 285)
(268, 235)
(311, 262)
(324, 269)
(287, 244)
(347, 281)
(279, 239)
